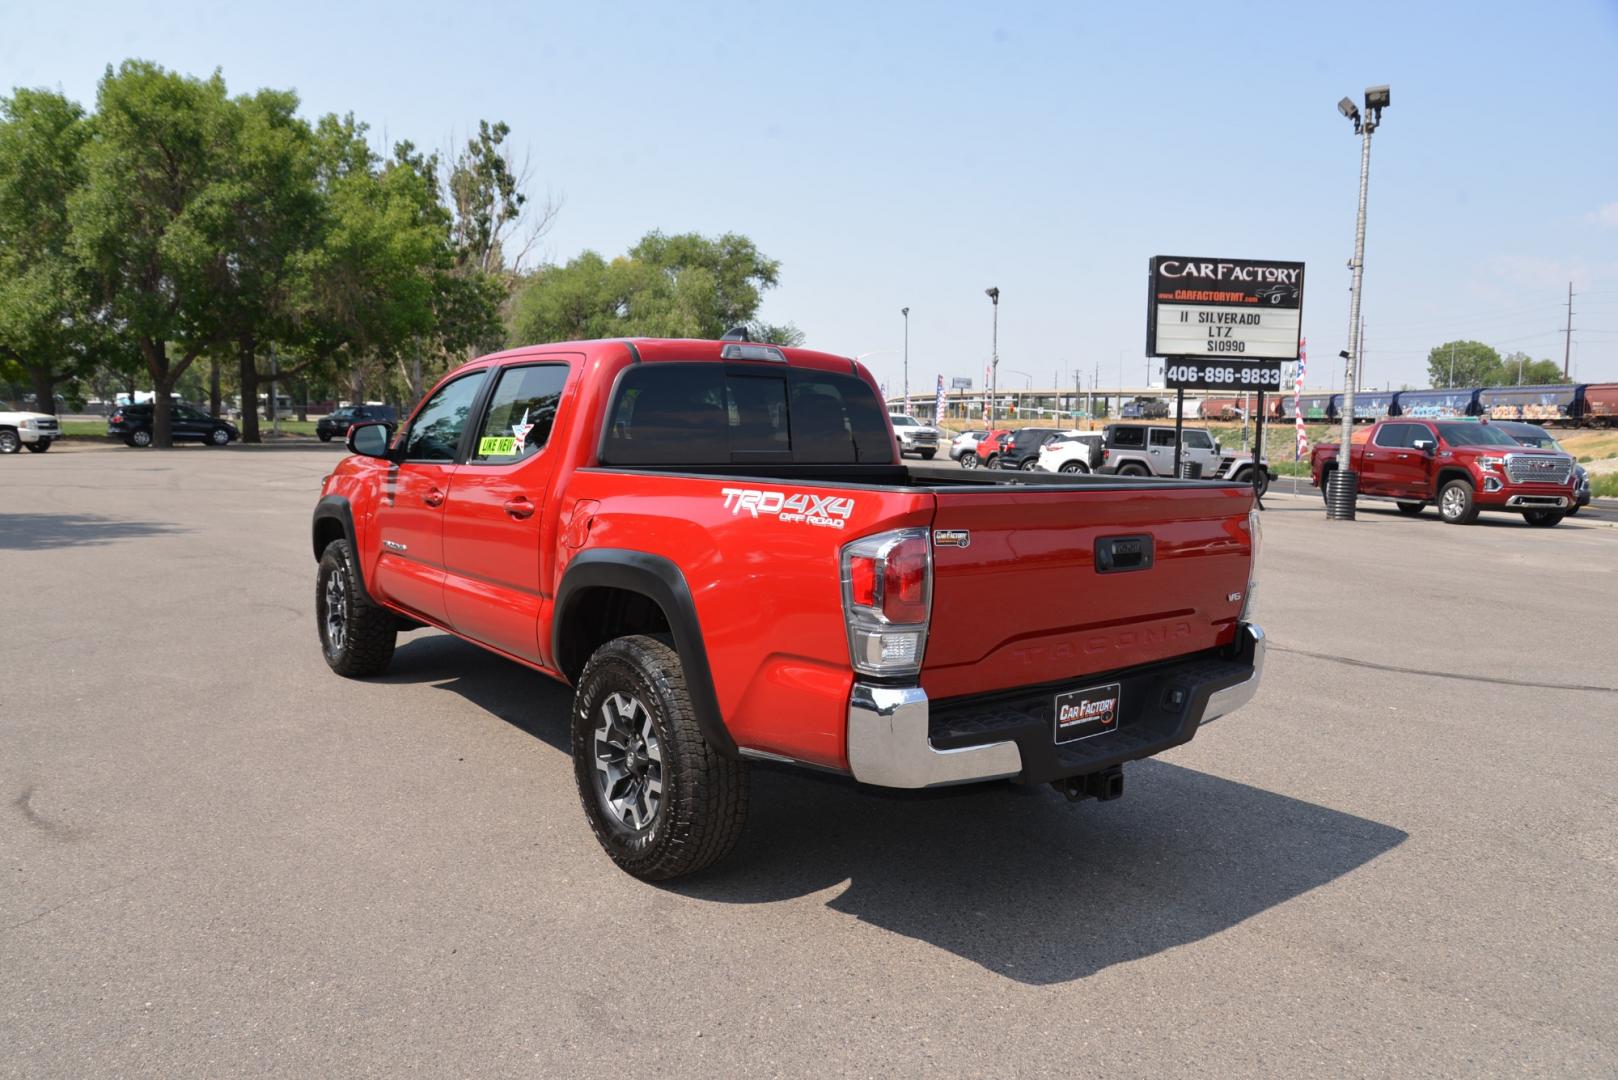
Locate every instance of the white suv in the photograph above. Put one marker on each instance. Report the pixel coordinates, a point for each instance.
(1071, 452)
(34, 430)
(915, 437)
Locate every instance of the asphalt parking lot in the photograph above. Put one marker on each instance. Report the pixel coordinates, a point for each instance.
(220, 859)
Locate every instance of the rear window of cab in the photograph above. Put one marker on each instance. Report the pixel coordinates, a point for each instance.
(671, 414)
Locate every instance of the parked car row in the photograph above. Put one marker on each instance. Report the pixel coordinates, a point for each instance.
(1578, 404)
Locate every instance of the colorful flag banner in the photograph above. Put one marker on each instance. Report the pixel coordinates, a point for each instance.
(938, 402)
(1297, 398)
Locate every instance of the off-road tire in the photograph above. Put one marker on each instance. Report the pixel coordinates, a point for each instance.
(38, 447)
(1412, 509)
(1133, 469)
(703, 800)
(1245, 476)
(1544, 519)
(10, 442)
(1460, 508)
(369, 630)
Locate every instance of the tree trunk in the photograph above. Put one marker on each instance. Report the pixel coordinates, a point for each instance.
(44, 390)
(214, 402)
(247, 365)
(356, 385)
(163, 377)
(303, 401)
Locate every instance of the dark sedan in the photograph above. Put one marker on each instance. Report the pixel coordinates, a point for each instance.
(133, 424)
(335, 425)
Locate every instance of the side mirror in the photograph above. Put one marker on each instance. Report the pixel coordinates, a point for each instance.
(370, 439)
(1424, 445)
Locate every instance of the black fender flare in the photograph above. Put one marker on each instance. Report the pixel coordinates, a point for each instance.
(660, 581)
(336, 508)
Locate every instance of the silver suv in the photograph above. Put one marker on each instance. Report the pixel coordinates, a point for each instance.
(1139, 450)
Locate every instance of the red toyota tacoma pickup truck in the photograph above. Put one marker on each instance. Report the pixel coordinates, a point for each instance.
(717, 545)
(1463, 465)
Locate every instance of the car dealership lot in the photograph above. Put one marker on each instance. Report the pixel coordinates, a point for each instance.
(219, 858)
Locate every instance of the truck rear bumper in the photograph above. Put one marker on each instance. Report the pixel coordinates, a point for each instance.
(897, 738)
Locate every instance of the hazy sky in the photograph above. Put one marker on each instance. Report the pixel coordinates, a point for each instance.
(897, 155)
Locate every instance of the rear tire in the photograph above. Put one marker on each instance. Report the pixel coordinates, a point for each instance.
(1132, 469)
(660, 800)
(139, 438)
(969, 460)
(1074, 467)
(1456, 503)
(1030, 465)
(325, 437)
(357, 636)
(1412, 509)
(1544, 519)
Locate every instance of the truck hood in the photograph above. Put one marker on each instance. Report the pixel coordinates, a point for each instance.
(19, 417)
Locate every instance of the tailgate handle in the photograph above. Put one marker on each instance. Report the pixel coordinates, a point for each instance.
(1117, 554)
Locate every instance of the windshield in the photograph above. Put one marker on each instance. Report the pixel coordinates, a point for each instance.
(1539, 440)
(1474, 435)
(904, 421)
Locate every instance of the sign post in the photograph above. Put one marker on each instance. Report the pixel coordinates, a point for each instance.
(1224, 324)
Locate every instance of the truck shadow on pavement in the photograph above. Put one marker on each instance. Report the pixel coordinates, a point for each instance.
(38, 532)
(1010, 878)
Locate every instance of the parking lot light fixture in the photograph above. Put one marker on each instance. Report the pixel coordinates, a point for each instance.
(993, 293)
(1377, 98)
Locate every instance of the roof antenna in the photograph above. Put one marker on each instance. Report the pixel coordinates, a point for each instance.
(737, 333)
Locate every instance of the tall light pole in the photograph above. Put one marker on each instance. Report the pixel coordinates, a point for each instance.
(993, 293)
(906, 313)
(1376, 99)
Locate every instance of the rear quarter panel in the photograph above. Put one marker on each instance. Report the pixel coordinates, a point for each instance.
(767, 591)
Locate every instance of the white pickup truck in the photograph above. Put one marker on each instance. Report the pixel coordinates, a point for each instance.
(34, 430)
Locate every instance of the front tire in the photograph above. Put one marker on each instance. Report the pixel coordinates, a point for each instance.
(927, 455)
(357, 636)
(992, 461)
(10, 443)
(660, 800)
(219, 437)
(1544, 519)
(1456, 503)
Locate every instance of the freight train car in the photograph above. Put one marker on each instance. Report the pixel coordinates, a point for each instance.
(1317, 408)
(1368, 407)
(1598, 405)
(1535, 404)
(1435, 404)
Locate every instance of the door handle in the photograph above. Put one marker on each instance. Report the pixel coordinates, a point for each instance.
(433, 497)
(519, 508)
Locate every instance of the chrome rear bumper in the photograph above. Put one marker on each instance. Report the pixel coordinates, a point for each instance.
(889, 743)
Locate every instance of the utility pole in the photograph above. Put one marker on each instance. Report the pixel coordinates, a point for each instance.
(1567, 344)
(906, 313)
(1359, 383)
(993, 293)
(1451, 366)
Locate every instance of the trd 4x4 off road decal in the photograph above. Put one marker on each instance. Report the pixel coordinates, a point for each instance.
(829, 511)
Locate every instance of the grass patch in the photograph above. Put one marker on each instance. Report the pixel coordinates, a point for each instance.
(1604, 486)
(82, 429)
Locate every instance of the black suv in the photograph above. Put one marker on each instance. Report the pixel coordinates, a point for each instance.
(1022, 449)
(133, 424)
(335, 424)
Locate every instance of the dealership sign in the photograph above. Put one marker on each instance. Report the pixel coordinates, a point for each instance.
(1224, 323)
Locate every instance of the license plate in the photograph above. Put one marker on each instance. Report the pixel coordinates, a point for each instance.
(1081, 714)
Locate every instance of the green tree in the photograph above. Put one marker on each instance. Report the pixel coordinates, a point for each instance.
(1464, 363)
(48, 330)
(152, 221)
(685, 285)
(1520, 369)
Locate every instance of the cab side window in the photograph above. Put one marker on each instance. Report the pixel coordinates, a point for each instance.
(520, 414)
(1199, 440)
(435, 432)
(1162, 437)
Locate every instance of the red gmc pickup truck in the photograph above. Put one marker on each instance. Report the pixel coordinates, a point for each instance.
(1464, 466)
(717, 545)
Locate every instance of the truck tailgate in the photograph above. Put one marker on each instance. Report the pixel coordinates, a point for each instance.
(1026, 602)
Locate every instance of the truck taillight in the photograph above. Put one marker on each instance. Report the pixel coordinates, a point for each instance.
(1255, 534)
(887, 597)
